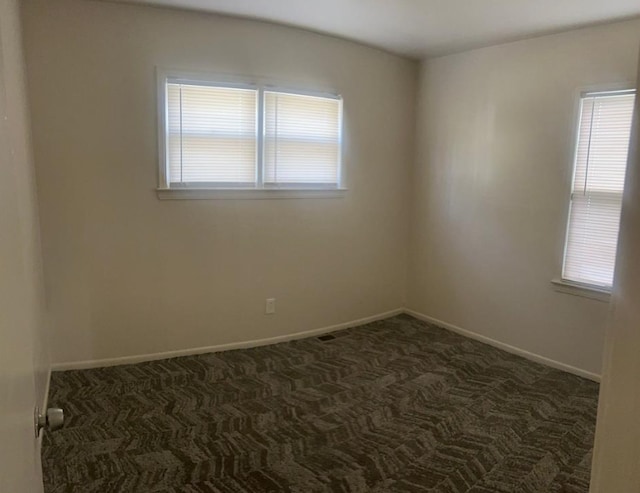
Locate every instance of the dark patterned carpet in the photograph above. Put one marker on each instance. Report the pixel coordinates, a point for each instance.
(396, 405)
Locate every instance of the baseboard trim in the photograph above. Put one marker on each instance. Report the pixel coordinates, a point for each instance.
(128, 360)
(505, 347)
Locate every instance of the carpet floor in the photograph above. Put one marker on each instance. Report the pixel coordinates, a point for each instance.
(395, 405)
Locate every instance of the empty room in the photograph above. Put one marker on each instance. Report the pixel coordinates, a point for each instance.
(343, 246)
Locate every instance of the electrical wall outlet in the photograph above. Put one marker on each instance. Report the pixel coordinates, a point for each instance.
(270, 306)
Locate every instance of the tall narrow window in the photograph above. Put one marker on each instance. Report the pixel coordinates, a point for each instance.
(598, 183)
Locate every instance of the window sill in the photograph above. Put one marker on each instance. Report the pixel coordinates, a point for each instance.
(592, 292)
(248, 193)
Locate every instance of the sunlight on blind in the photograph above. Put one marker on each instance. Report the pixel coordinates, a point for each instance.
(212, 134)
(596, 199)
(302, 139)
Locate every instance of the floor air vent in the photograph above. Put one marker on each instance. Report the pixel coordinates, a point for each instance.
(327, 337)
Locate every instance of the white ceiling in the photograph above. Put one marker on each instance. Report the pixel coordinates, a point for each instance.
(420, 28)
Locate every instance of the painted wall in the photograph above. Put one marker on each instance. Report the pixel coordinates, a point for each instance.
(23, 361)
(491, 188)
(128, 274)
(617, 447)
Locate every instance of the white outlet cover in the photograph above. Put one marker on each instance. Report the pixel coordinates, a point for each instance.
(270, 306)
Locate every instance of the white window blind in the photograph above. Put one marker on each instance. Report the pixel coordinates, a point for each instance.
(596, 198)
(301, 139)
(211, 135)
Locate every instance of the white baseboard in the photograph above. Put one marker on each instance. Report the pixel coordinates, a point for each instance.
(505, 347)
(128, 360)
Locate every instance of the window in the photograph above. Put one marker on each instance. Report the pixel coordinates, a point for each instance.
(211, 135)
(301, 139)
(245, 136)
(598, 182)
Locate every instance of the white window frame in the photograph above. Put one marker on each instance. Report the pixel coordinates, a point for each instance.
(204, 190)
(560, 284)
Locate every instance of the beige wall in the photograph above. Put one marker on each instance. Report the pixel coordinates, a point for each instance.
(23, 361)
(127, 274)
(617, 447)
(495, 144)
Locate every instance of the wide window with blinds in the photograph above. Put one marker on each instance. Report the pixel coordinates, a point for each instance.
(219, 136)
(598, 183)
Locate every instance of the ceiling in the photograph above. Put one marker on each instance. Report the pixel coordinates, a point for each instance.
(421, 28)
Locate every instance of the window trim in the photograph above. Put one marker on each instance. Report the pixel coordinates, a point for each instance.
(248, 193)
(216, 190)
(579, 289)
(561, 284)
